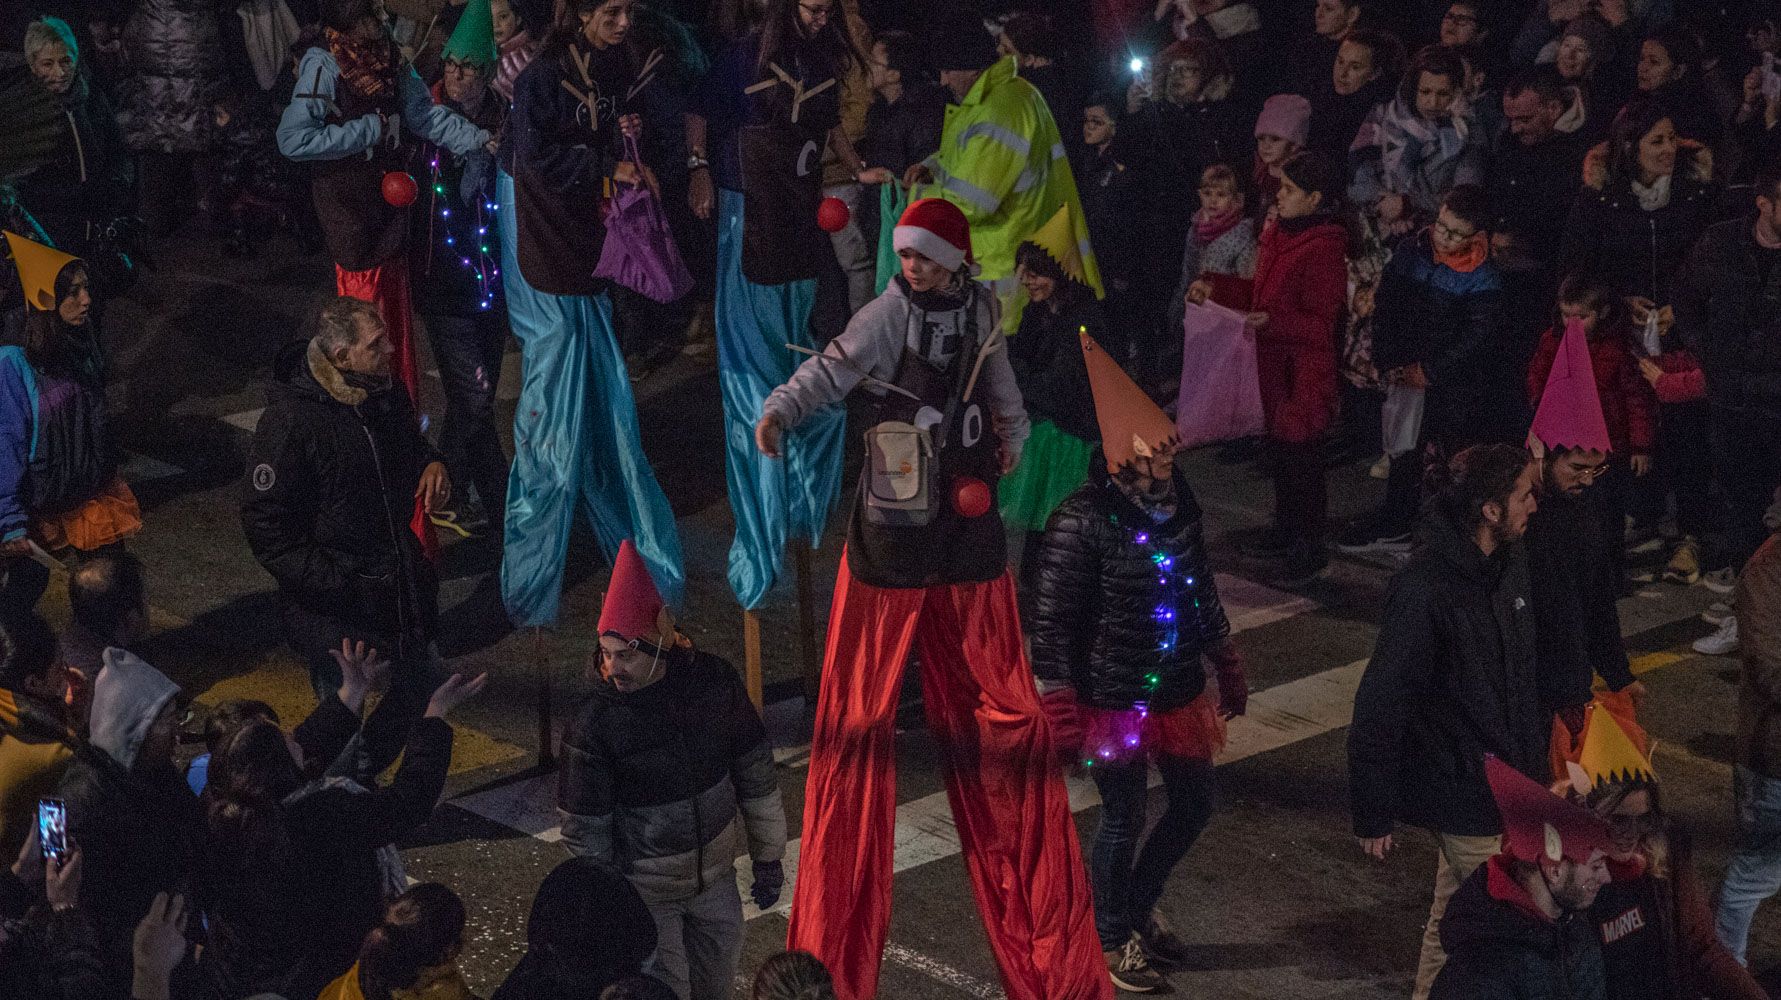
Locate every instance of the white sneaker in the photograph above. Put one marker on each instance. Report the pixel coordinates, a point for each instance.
(1720, 581)
(1716, 613)
(1721, 643)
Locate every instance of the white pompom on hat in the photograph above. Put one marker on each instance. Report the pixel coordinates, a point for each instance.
(936, 229)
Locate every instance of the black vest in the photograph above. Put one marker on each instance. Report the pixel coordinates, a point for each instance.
(361, 230)
(950, 548)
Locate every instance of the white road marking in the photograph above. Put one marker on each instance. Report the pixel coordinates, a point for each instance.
(143, 468)
(935, 969)
(247, 420)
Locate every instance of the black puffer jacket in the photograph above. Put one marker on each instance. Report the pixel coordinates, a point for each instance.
(1124, 607)
(1047, 358)
(1728, 307)
(1449, 322)
(1498, 950)
(1574, 590)
(328, 498)
(90, 179)
(1638, 252)
(1452, 678)
(175, 69)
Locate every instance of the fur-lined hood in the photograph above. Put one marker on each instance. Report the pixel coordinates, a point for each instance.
(1694, 163)
(301, 366)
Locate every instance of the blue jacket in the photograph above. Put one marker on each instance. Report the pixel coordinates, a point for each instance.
(304, 133)
(1450, 322)
(18, 438)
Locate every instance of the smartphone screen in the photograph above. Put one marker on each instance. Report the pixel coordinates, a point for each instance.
(52, 827)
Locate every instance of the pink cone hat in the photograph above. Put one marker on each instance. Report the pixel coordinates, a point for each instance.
(1570, 413)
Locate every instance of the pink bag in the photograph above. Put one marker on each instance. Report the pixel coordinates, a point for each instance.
(639, 251)
(1221, 398)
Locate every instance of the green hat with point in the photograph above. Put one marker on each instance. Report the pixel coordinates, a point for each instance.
(473, 40)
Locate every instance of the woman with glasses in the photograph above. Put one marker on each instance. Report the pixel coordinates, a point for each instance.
(1652, 918)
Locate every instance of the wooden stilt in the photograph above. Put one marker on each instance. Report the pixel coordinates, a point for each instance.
(807, 650)
(751, 656)
(547, 750)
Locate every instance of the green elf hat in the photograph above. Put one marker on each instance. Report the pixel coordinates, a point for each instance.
(473, 41)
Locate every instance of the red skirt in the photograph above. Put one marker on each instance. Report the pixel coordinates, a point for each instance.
(1114, 736)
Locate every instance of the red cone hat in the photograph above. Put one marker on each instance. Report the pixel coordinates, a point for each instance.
(633, 608)
(1538, 825)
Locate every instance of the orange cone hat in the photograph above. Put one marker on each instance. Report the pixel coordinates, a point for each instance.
(1610, 755)
(633, 608)
(1132, 425)
(38, 267)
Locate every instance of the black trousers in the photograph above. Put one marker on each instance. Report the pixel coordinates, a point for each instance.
(1301, 490)
(1747, 464)
(468, 350)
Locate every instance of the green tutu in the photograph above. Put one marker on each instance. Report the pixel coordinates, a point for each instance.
(1052, 465)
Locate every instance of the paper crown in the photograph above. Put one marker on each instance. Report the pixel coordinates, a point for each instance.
(1538, 825)
(1570, 413)
(473, 40)
(38, 268)
(1132, 425)
(633, 608)
(1609, 755)
(1060, 241)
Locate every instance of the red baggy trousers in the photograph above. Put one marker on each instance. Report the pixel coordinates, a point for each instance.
(386, 287)
(1008, 799)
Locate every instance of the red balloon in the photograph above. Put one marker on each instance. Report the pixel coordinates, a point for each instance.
(832, 215)
(399, 189)
(970, 496)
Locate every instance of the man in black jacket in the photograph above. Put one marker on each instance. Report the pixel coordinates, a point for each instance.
(1452, 678)
(1728, 308)
(1519, 928)
(335, 467)
(667, 774)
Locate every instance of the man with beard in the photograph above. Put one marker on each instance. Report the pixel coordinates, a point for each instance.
(1520, 927)
(1451, 679)
(1569, 563)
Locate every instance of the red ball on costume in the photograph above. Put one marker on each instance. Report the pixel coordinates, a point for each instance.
(399, 189)
(832, 215)
(970, 496)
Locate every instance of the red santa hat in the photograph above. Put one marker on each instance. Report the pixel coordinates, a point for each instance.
(633, 608)
(936, 229)
(1538, 825)
(1570, 413)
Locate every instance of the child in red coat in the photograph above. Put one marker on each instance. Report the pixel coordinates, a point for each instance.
(1301, 285)
(1629, 406)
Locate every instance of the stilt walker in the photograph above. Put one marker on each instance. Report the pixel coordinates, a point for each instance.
(926, 570)
(355, 95)
(575, 435)
(765, 118)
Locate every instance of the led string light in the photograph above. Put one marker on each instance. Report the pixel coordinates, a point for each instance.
(1172, 587)
(483, 265)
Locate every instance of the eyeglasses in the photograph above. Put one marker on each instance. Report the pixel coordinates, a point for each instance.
(1589, 473)
(1442, 229)
(1644, 822)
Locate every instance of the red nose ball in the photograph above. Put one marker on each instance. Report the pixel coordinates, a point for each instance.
(399, 189)
(832, 215)
(970, 497)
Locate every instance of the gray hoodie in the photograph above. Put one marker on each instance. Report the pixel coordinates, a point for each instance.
(127, 696)
(875, 341)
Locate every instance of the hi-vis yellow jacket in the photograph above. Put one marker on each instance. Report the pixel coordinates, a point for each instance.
(1001, 161)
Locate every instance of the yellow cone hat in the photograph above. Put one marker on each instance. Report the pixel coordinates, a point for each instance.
(38, 267)
(1609, 755)
(1059, 239)
(1132, 425)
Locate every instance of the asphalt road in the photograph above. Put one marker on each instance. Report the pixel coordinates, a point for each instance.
(1276, 900)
